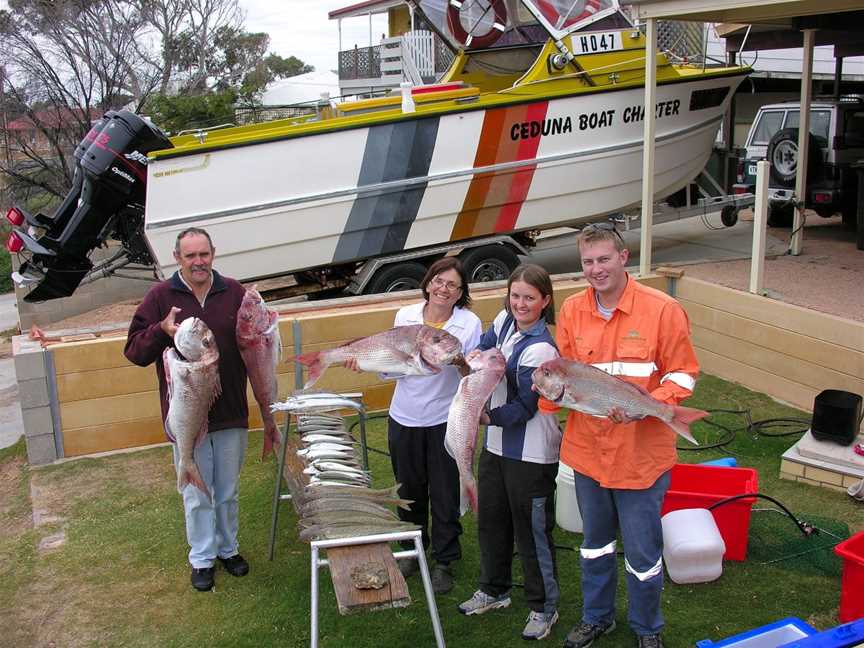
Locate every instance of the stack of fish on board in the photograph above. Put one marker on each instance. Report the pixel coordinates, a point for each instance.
(332, 496)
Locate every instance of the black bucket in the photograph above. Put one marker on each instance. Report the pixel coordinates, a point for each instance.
(836, 416)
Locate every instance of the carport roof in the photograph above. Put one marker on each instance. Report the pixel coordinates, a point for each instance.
(775, 23)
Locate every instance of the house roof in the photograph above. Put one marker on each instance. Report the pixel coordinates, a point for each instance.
(364, 8)
(52, 119)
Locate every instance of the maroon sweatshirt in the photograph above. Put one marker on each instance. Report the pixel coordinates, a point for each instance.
(146, 341)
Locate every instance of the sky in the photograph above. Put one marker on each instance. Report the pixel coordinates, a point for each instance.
(301, 28)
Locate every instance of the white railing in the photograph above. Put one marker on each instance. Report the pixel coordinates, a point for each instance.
(419, 46)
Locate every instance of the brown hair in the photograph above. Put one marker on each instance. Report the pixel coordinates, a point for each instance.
(538, 278)
(192, 231)
(597, 232)
(443, 265)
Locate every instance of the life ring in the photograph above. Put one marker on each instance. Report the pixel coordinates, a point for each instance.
(551, 13)
(468, 39)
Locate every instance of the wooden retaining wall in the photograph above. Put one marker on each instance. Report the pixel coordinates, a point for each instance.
(786, 351)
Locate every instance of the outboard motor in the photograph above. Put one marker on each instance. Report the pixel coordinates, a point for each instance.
(108, 188)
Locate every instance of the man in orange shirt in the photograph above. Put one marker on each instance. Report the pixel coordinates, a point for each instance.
(621, 466)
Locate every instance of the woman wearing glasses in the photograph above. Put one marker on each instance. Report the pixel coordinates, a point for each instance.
(519, 461)
(418, 421)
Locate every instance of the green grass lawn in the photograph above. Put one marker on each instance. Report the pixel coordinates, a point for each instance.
(121, 578)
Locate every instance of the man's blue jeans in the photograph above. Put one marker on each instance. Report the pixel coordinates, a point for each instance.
(636, 513)
(211, 527)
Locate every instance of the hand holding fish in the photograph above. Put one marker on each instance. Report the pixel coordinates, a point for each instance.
(619, 416)
(168, 324)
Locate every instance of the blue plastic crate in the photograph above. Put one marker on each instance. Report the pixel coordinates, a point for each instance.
(843, 636)
(768, 636)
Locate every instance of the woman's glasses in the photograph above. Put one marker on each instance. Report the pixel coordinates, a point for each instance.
(439, 283)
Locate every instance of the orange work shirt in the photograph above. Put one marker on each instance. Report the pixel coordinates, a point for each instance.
(645, 342)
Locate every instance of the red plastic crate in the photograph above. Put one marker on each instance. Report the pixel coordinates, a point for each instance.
(852, 584)
(698, 486)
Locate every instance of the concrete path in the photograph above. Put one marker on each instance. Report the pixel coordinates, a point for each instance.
(11, 427)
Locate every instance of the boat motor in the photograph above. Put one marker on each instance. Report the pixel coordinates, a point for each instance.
(106, 201)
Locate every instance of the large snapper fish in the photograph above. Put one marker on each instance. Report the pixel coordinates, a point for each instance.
(260, 346)
(463, 419)
(193, 386)
(415, 350)
(590, 390)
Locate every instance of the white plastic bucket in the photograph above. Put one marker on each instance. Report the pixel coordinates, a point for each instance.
(566, 507)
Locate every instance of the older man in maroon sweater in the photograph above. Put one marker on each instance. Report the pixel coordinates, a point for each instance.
(196, 290)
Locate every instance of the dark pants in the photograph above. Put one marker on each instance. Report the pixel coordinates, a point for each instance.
(517, 500)
(429, 477)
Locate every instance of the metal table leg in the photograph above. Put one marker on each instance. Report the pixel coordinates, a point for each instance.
(277, 490)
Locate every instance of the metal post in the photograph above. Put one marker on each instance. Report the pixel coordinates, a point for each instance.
(363, 448)
(803, 141)
(648, 153)
(760, 216)
(277, 490)
(297, 334)
(313, 639)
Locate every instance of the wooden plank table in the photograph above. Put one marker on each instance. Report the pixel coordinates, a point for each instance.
(349, 598)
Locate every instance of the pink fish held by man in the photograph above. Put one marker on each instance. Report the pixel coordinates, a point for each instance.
(463, 419)
(415, 350)
(193, 386)
(261, 348)
(590, 390)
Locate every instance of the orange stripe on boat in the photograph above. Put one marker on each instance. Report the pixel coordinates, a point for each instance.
(493, 200)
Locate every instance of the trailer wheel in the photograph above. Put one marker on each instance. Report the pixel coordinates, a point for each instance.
(729, 215)
(399, 276)
(489, 263)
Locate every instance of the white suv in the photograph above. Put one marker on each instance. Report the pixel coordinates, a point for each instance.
(836, 142)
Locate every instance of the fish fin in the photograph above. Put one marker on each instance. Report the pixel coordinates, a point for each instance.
(421, 365)
(314, 363)
(188, 473)
(682, 417)
(166, 366)
(168, 432)
(448, 447)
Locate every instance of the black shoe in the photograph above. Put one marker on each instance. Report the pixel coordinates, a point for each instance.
(202, 579)
(407, 566)
(236, 565)
(442, 578)
(649, 641)
(584, 634)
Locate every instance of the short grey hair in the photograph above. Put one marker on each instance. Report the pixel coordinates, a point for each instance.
(192, 231)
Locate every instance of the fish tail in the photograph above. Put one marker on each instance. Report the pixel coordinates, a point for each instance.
(314, 363)
(187, 473)
(468, 494)
(682, 417)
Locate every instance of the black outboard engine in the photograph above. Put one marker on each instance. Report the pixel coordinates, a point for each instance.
(108, 191)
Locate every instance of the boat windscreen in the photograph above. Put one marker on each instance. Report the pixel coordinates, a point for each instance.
(485, 24)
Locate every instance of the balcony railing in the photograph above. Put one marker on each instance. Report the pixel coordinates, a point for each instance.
(418, 56)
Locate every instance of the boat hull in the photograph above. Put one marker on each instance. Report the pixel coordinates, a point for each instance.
(420, 180)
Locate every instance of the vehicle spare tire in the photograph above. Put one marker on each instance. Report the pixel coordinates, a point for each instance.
(783, 156)
(489, 263)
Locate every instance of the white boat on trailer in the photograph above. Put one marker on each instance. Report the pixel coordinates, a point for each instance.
(537, 124)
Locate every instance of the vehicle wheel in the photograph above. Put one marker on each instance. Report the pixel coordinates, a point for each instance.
(825, 211)
(781, 215)
(729, 215)
(399, 276)
(489, 263)
(783, 156)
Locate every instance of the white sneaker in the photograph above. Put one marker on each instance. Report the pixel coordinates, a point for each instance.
(539, 625)
(481, 602)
